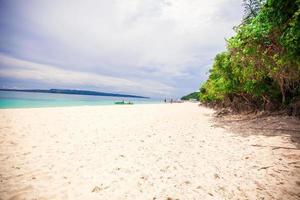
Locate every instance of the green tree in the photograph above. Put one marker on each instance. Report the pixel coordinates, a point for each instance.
(262, 60)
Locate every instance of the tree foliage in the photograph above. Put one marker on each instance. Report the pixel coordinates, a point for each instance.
(191, 96)
(262, 61)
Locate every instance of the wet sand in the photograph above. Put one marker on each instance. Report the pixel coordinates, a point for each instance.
(161, 151)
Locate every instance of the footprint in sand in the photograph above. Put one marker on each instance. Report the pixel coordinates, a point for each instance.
(217, 176)
(99, 189)
(96, 189)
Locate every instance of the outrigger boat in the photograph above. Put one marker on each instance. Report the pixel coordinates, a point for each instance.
(123, 103)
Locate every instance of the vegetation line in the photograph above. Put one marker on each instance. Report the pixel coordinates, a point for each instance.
(260, 70)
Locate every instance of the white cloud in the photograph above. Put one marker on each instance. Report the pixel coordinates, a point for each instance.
(133, 33)
(22, 69)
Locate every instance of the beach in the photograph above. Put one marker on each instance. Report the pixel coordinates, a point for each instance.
(155, 151)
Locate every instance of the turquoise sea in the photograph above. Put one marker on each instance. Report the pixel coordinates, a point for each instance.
(9, 99)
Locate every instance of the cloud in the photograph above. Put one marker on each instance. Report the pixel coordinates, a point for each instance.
(22, 69)
(161, 41)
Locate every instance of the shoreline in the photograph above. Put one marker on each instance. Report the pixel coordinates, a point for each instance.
(78, 106)
(152, 151)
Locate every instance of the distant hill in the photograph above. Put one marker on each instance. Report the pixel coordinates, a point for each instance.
(77, 92)
(194, 95)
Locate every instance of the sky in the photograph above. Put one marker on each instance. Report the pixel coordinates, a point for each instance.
(156, 48)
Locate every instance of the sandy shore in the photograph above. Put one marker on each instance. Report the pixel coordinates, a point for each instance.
(162, 151)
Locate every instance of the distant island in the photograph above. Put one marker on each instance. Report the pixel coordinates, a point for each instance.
(191, 96)
(76, 92)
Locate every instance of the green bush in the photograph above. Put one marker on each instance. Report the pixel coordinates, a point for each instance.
(262, 60)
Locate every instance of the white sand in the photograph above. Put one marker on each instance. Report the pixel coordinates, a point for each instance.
(139, 152)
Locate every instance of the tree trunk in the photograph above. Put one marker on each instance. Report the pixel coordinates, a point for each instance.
(282, 91)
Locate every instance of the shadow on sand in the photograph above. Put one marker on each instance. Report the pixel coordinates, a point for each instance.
(262, 124)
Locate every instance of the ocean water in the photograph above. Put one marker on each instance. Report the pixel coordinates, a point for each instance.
(10, 99)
